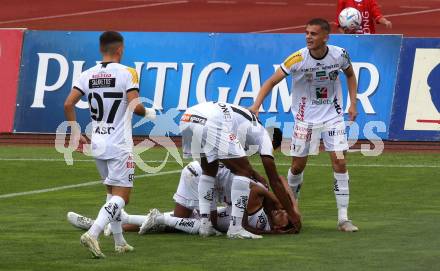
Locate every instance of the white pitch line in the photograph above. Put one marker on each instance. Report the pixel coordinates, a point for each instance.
(320, 4)
(62, 160)
(271, 3)
(4, 196)
(367, 165)
(221, 2)
(259, 164)
(93, 12)
(415, 7)
(413, 13)
(387, 16)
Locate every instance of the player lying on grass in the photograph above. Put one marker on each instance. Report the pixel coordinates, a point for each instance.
(263, 213)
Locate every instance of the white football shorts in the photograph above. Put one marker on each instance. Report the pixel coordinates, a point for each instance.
(187, 190)
(306, 137)
(117, 171)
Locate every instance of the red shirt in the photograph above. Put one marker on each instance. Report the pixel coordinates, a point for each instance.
(369, 10)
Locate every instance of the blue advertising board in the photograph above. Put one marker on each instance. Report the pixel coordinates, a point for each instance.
(416, 106)
(178, 70)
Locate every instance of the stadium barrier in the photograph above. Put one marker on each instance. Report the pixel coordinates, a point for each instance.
(178, 70)
(10, 54)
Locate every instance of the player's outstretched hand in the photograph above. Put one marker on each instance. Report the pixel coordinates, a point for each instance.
(254, 110)
(352, 112)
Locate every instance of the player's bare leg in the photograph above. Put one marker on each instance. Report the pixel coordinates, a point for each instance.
(342, 191)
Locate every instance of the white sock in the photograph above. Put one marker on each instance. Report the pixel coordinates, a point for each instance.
(189, 225)
(295, 182)
(108, 213)
(134, 219)
(239, 196)
(206, 195)
(117, 233)
(342, 194)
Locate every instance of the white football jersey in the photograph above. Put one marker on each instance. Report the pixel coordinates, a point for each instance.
(244, 124)
(316, 88)
(105, 86)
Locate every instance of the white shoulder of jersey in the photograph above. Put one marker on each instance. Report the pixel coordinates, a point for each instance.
(293, 59)
(335, 50)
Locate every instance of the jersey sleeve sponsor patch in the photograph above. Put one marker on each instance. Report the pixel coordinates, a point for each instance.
(293, 59)
(346, 61)
(134, 75)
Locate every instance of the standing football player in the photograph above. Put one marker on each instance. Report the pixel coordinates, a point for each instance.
(370, 13)
(109, 88)
(317, 108)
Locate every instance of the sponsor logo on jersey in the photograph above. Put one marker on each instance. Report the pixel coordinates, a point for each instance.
(262, 221)
(321, 73)
(293, 59)
(102, 83)
(101, 75)
(193, 118)
(309, 77)
(337, 106)
(302, 106)
(225, 111)
(333, 75)
(322, 101)
(321, 93)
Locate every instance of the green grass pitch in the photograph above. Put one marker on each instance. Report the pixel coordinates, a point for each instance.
(394, 199)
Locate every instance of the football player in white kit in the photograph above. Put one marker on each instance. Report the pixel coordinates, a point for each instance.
(214, 132)
(110, 87)
(259, 218)
(317, 108)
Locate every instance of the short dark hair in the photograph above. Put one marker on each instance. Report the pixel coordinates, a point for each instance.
(110, 40)
(277, 136)
(321, 22)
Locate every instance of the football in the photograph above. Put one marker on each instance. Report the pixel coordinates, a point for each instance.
(350, 18)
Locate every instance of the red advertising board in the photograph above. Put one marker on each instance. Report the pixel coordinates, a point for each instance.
(10, 54)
